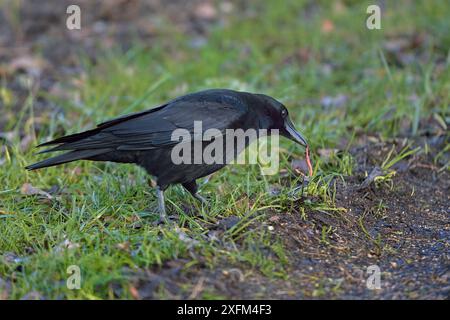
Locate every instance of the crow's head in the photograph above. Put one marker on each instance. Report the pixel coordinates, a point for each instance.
(276, 116)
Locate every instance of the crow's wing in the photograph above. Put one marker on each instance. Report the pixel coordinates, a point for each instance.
(156, 131)
(149, 130)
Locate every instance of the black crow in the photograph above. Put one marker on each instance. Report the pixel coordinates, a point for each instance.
(145, 138)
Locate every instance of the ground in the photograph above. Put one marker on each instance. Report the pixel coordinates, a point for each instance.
(374, 105)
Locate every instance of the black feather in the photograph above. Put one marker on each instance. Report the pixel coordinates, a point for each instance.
(67, 157)
(145, 138)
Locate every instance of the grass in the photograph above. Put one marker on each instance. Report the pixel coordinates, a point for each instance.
(103, 212)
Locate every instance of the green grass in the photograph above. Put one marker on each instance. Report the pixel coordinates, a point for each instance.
(101, 205)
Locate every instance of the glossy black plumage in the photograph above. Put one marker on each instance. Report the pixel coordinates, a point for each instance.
(144, 138)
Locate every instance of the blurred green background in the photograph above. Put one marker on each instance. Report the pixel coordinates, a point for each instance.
(345, 87)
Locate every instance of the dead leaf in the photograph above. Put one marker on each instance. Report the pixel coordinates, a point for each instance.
(5, 289)
(8, 135)
(300, 166)
(5, 212)
(6, 96)
(125, 246)
(26, 142)
(12, 258)
(405, 42)
(396, 45)
(226, 6)
(376, 172)
(327, 26)
(213, 236)
(326, 154)
(206, 11)
(30, 64)
(235, 273)
(302, 55)
(274, 218)
(334, 102)
(185, 238)
(339, 7)
(134, 292)
(29, 190)
(274, 190)
(229, 222)
(198, 288)
(66, 245)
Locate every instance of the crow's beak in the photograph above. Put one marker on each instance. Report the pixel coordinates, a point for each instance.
(293, 134)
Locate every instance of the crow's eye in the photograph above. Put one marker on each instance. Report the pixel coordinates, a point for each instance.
(284, 113)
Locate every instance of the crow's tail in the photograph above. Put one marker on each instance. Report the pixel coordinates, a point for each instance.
(67, 157)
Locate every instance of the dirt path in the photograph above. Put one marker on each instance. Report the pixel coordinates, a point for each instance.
(403, 231)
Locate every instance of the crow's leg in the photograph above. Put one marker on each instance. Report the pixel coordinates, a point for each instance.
(193, 188)
(163, 218)
(161, 206)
